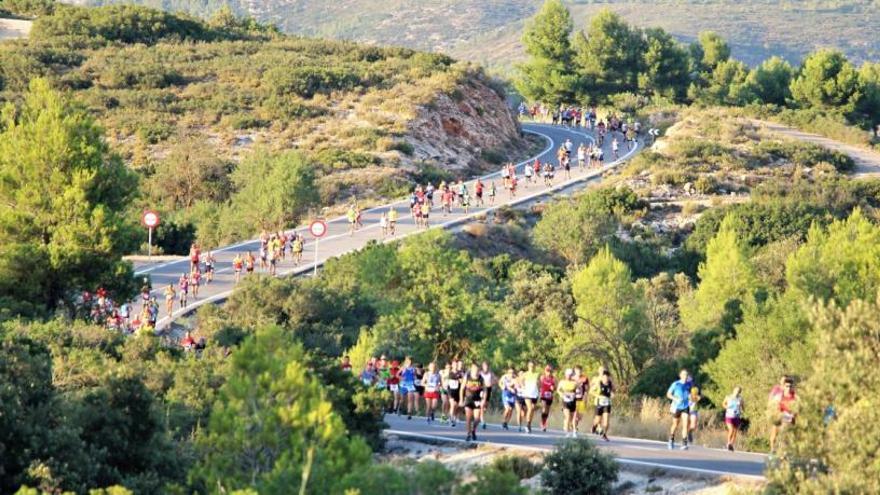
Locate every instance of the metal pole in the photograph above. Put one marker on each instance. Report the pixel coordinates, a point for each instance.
(150, 243)
(316, 256)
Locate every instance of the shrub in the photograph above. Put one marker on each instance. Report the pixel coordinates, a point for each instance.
(577, 467)
(522, 467)
(491, 480)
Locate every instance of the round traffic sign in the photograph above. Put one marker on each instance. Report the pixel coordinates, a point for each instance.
(318, 228)
(150, 219)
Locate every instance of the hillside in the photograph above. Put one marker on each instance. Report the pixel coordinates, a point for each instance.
(489, 31)
(177, 96)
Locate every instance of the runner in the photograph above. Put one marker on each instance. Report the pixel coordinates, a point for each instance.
(507, 384)
(781, 402)
(426, 212)
(183, 288)
(446, 198)
(582, 155)
(264, 265)
(548, 387)
(297, 248)
(529, 174)
(530, 393)
(444, 391)
(465, 201)
(492, 192)
(567, 390)
(604, 393)
(453, 388)
(419, 386)
(194, 256)
(368, 376)
(548, 174)
(195, 278)
(478, 192)
(393, 381)
(237, 265)
(169, 299)
(392, 220)
(733, 409)
(351, 215)
(693, 405)
(383, 225)
(521, 406)
(472, 395)
(580, 392)
(210, 261)
(346, 364)
(488, 381)
(615, 147)
(408, 386)
(679, 393)
(433, 382)
(249, 263)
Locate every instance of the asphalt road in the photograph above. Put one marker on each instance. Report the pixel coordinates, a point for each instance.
(337, 241)
(627, 451)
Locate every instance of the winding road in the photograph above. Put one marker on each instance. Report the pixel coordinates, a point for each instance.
(628, 451)
(337, 240)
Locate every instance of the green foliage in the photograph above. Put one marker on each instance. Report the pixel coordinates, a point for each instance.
(712, 49)
(665, 70)
(770, 82)
(490, 480)
(822, 456)
(838, 264)
(827, 80)
(125, 24)
(546, 75)
(271, 428)
(612, 326)
(576, 467)
(273, 191)
(607, 56)
(520, 466)
(63, 230)
(28, 7)
(726, 277)
(575, 230)
(416, 478)
(192, 172)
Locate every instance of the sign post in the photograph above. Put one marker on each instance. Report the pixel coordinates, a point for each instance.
(318, 229)
(150, 219)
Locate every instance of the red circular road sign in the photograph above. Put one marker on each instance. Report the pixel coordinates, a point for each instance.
(318, 228)
(150, 219)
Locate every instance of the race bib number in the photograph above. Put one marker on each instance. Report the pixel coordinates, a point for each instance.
(604, 401)
(547, 395)
(788, 417)
(393, 387)
(453, 383)
(430, 389)
(568, 397)
(417, 383)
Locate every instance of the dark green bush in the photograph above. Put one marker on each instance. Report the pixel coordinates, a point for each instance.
(309, 81)
(338, 159)
(522, 467)
(576, 467)
(175, 237)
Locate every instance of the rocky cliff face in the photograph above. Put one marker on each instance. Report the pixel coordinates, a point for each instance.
(470, 130)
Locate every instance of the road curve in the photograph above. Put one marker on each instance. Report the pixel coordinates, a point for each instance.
(337, 241)
(867, 161)
(627, 451)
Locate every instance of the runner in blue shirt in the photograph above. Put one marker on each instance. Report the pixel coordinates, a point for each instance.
(679, 393)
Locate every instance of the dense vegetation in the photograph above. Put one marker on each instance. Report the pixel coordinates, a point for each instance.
(610, 58)
(200, 108)
(487, 31)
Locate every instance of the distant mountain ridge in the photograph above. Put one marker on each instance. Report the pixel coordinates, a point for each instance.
(488, 31)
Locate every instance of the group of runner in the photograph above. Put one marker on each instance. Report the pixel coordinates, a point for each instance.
(455, 389)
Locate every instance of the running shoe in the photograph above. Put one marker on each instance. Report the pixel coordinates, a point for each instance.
(408, 416)
(468, 439)
(504, 426)
(453, 424)
(605, 437)
(730, 447)
(671, 444)
(484, 425)
(684, 446)
(528, 429)
(474, 435)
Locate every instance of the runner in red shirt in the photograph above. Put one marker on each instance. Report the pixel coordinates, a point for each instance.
(478, 192)
(394, 385)
(346, 363)
(782, 401)
(547, 385)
